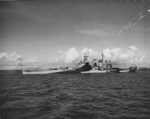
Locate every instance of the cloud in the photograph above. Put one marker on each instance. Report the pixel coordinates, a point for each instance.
(68, 57)
(90, 52)
(133, 55)
(7, 59)
(10, 59)
(73, 56)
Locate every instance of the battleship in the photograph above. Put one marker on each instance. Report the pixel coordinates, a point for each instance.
(85, 66)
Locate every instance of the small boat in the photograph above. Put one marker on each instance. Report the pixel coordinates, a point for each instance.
(124, 70)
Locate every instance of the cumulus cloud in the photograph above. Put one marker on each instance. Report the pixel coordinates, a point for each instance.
(90, 52)
(74, 56)
(9, 59)
(13, 58)
(133, 55)
(68, 57)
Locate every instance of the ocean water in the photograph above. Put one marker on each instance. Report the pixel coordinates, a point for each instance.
(75, 96)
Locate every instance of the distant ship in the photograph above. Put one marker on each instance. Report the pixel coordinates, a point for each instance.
(86, 67)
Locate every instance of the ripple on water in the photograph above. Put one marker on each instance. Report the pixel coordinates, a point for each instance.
(71, 96)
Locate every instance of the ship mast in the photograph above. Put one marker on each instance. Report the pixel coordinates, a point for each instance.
(85, 57)
(102, 57)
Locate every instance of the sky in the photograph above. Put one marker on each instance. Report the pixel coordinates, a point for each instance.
(59, 31)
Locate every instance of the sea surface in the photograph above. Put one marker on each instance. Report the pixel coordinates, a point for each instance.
(75, 96)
